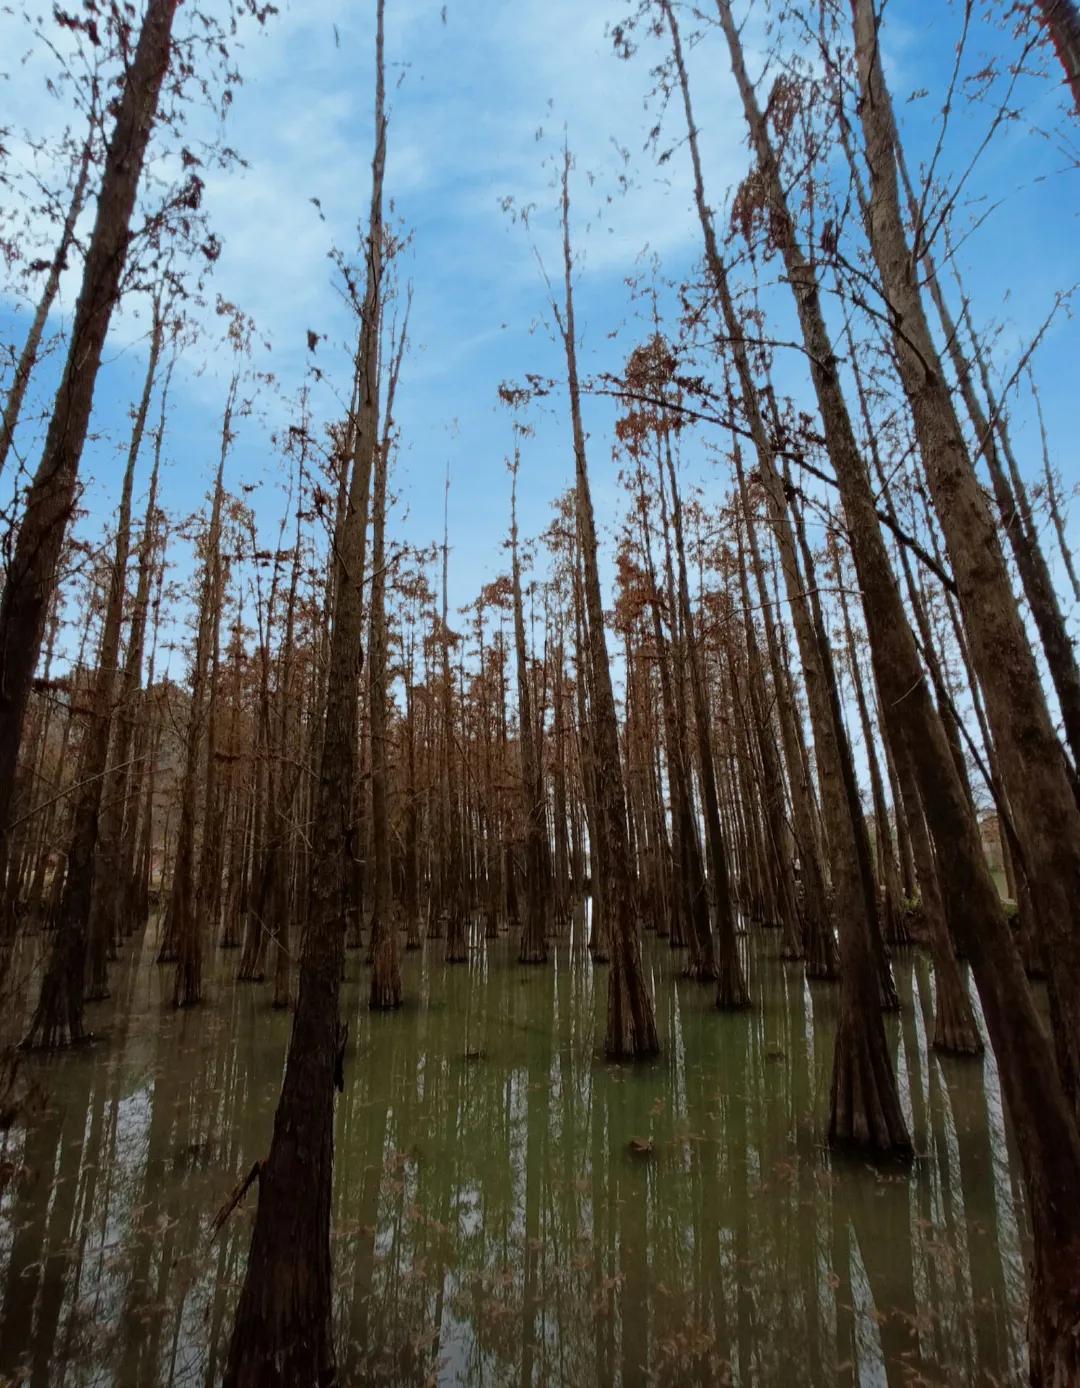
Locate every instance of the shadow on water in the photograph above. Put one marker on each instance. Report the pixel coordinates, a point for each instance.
(510, 1209)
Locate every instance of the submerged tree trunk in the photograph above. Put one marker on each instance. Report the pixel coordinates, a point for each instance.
(631, 1023)
(1042, 1115)
(114, 868)
(385, 960)
(731, 990)
(185, 927)
(533, 946)
(58, 1018)
(866, 1108)
(282, 1334)
(109, 804)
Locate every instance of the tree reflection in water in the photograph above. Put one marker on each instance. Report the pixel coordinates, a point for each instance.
(510, 1208)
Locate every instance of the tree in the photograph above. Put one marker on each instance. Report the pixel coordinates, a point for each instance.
(282, 1333)
(31, 576)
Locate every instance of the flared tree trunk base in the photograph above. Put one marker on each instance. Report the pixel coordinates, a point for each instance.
(1054, 1333)
(700, 970)
(57, 1023)
(955, 1030)
(897, 934)
(888, 997)
(631, 1022)
(252, 966)
(385, 995)
(732, 994)
(866, 1114)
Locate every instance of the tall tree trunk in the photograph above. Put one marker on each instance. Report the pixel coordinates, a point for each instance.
(31, 577)
(1041, 1115)
(1033, 768)
(282, 1334)
(386, 966)
(865, 1103)
(185, 927)
(731, 990)
(58, 1018)
(533, 946)
(631, 1022)
(120, 809)
(109, 808)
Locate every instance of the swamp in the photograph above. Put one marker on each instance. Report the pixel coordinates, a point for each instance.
(539, 701)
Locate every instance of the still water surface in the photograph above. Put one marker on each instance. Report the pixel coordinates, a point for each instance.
(509, 1209)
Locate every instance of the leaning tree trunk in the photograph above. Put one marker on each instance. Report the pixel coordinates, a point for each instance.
(821, 948)
(58, 1018)
(1023, 538)
(1033, 767)
(31, 576)
(895, 927)
(866, 1108)
(1042, 1118)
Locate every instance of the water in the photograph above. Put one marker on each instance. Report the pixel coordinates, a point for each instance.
(511, 1209)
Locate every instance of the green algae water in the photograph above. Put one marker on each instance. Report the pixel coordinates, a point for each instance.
(511, 1209)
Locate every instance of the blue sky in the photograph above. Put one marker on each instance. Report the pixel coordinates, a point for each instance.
(479, 104)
